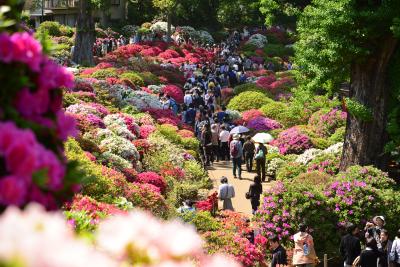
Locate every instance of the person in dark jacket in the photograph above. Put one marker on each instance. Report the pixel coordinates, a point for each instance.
(369, 256)
(260, 157)
(384, 251)
(350, 247)
(278, 252)
(255, 191)
(206, 143)
(248, 151)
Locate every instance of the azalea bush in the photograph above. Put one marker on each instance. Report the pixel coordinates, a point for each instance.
(263, 124)
(152, 178)
(248, 100)
(326, 121)
(292, 141)
(33, 166)
(326, 204)
(175, 92)
(246, 87)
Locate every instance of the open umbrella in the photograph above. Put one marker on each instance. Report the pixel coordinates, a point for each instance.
(239, 130)
(262, 138)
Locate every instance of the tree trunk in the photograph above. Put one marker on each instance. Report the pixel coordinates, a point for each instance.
(85, 35)
(169, 30)
(365, 141)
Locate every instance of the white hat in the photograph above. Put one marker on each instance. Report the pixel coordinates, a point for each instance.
(380, 217)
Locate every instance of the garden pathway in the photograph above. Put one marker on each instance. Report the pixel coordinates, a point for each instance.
(224, 168)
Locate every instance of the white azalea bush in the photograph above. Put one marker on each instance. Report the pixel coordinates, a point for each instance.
(204, 37)
(233, 114)
(257, 40)
(161, 26)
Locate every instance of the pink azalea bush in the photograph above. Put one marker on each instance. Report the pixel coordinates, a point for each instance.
(32, 170)
(326, 122)
(266, 81)
(292, 141)
(146, 130)
(263, 124)
(152, 178)
(175, 92)
(251, 114)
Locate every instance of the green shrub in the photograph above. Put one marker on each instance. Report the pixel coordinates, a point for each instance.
(149, 78)
(53, 28)
(105, 73)
(182, 191)
(327, 163)
(274, 110)
(195, 172)
(202, 220)
(191, 144)
(278, 50)
(314, 178)
(248, 100)
(248, 87)
(289, 171)
(338, 136)
(70, 99)
(67, 31)
(133, 77)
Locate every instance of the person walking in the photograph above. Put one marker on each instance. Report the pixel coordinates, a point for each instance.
(225, 193)
(248, 150)
(260, 157)
(236, 153)
(394, 255)
(224, 143)
(304, 253)
(254, 193)
(215, 142)
(206, 143)
(350, 247)
(279, 257)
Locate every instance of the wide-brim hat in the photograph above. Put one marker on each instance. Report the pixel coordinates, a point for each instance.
(235, 136)
(380, 217)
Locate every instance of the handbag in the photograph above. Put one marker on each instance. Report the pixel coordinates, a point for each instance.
(247, 195)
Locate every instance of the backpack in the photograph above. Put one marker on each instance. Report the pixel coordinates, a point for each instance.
(234, 150)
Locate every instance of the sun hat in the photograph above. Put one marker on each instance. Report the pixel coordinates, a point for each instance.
(380, 217)
(236, 137)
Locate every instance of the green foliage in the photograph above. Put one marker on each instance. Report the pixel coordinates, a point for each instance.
(202, 220)
(281, 11)
(338, 136)
(237, 13)
(249, 87)
(105, 73)
(182, 191)
(359, 110)
(248, 100)
(83, 222)
(170, 132)
(278, 50)
(274, 110)
(195, 172)
(314, 178)
(289, 171)
(51, 27)
(149, 78)
(132, 77)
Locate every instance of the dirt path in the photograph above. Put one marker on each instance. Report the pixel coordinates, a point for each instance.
(224, 168)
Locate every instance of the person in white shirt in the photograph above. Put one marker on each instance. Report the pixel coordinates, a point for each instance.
(188, 99)
(225, 193)
(224, 143)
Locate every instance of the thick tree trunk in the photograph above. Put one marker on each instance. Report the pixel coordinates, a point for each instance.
(169, 30)
(365, 141)
(85, 35)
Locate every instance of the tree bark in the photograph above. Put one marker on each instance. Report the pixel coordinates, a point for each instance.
(85, 35)
(365, 141)
(169, 26)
